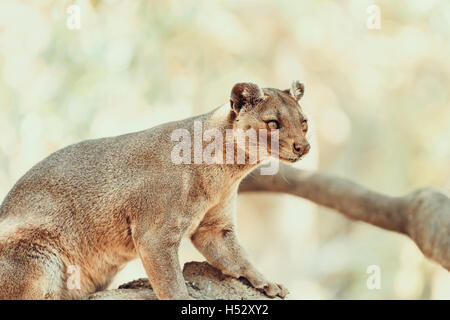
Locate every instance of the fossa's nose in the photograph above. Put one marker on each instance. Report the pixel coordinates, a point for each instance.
(301, 148)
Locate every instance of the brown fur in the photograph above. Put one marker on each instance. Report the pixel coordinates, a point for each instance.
(100, 203)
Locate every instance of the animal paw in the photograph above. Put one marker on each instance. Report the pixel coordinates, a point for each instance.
(271, 289)
(275, 289)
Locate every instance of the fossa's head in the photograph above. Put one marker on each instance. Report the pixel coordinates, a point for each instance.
(273, 109)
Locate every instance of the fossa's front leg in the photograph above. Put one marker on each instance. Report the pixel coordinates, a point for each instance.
(217, 240)
(157, 246)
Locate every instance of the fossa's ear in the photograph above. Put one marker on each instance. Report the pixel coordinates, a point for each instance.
(245, 95)
(297, 90)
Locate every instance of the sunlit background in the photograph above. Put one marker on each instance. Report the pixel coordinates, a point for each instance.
(378, 100)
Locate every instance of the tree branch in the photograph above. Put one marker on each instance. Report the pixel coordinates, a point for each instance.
(204, 282)
(423, 215)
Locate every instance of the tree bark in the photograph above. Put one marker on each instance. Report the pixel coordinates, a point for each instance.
(204, 282)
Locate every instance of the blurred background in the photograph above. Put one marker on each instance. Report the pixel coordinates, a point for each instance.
(378, 100)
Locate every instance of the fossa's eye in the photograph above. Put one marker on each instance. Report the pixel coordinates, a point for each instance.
(272, 124)
(304, 125)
